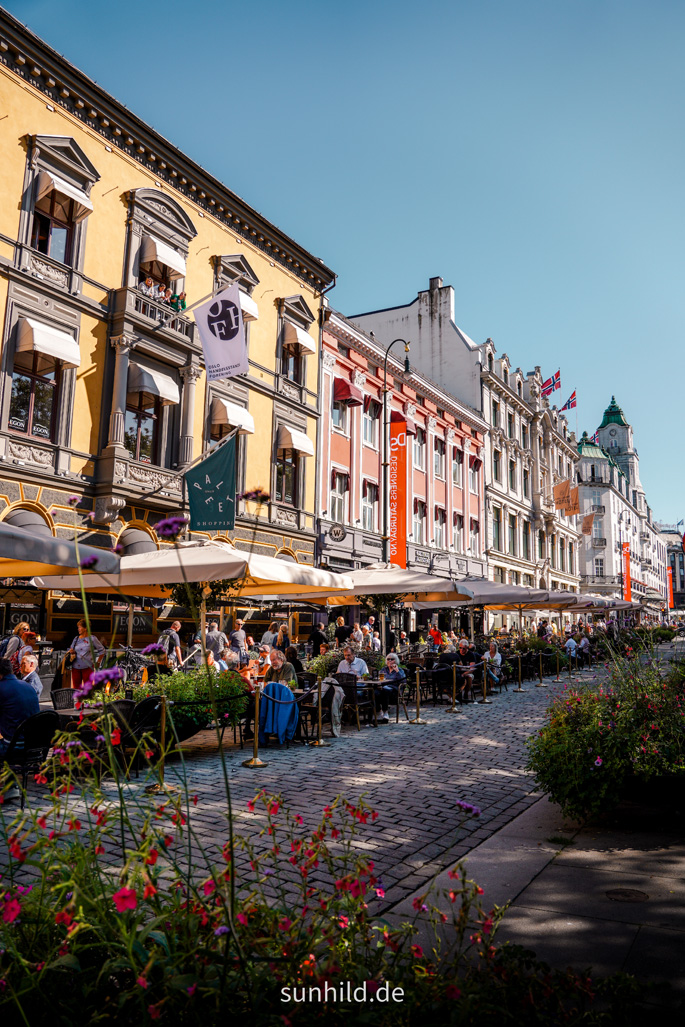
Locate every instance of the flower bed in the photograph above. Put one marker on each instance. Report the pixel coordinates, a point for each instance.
(599, 739)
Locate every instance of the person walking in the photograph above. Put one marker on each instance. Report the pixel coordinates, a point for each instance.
(85, 651)
(316, 639)
(269, 637)
(215, 640)
(237, 641)
(170, 640)
(283, 638)
(16, 641)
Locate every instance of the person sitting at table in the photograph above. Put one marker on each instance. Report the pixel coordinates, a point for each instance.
(467, 666)
(29, 673)
(325, 648)
(291, 657)
(492, 664)
(18, 700)
(352, 664)
(387, 690)
(280, 669)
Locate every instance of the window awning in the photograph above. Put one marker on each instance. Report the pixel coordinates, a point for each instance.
(154, 383)
(290, 438)
(474, 463)
(153, 249)
(475, 526)
(34, 335)
(397, 415)
(49, 182)
(249, 307)
(293, 335)
(345, 392)
(232, 414)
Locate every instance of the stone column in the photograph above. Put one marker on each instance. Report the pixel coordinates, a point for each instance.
(189, 374)
(122, 344)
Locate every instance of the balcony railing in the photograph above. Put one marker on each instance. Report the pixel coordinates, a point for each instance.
(599, 543)
(644, 536)
(600, 579)
(597, 508)
(150, 315)
(646, 562)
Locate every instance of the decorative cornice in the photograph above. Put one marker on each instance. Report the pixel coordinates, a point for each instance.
(35, 62)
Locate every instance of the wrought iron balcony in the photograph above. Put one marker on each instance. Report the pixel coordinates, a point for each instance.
(597, 508)
(133, 310)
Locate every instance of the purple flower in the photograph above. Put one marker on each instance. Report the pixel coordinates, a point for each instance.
(467, 808)
(90, 561)
(154, 649)
(170, 527)
(268, 872)
(85, 689)
(598, 762)
(99, 738)
(220, 930)
(73, 500)
(101, 677)
(257, 495)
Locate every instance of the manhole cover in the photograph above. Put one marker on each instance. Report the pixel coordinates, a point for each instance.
(627, 895)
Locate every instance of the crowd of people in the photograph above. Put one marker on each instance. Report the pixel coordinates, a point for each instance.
(161, 293)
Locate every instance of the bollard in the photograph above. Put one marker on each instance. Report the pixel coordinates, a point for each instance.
(160, 786)
(558, 665)
(417, 718)
(569, 666)
(485, 701)
(454, 689)
(255, 761)
(519, 689)
(319, 743)
(540, 684)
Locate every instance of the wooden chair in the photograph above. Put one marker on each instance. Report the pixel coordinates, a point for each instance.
(30, 745)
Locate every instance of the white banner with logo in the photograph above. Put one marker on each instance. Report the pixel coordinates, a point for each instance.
(222, 334)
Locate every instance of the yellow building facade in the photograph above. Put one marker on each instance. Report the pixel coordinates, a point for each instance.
(103, 394)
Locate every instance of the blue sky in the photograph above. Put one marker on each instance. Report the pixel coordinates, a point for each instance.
(531, 153)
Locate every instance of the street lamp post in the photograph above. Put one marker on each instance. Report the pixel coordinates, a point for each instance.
(386, 464)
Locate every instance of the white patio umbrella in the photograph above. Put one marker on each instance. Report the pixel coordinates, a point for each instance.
(389, 579)
(152, 574)
(25, 553)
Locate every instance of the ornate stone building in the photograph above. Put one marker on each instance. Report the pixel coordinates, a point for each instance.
(102, 388)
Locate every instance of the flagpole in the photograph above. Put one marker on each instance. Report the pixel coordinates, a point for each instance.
(213, 448)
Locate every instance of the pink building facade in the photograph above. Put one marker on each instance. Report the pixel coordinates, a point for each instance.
(444, 484)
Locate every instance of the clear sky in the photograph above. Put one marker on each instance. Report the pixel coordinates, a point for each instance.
(529, 152)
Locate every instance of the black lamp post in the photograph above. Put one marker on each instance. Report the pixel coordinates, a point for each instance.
(386, 505)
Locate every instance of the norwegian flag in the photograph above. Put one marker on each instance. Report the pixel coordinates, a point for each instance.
(570, 402)
(552, 384)
(595, 438)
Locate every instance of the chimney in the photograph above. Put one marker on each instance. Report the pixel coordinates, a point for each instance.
(434, 284)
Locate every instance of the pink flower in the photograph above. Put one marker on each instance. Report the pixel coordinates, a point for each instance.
(141, 982)
(380, 893)
(124, 899)
(192, 989)
(416, 951)
(208, 887)
(285, 923)
(242, 919)
(452, 991)
(344, 922)
(598, 762)
(11, 911)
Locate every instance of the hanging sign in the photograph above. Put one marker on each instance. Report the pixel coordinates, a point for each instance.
(211, 490)
(572, 507)
(627, 591)
(222, 334)
(397, 493)
(562, 494)
(669, 572)
(586, 527)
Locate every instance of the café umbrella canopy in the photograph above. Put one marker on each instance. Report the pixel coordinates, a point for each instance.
(389, 579)
(152, 574)
(25, 553)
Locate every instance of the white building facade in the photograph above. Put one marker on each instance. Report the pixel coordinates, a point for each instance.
(528, 448)
(610, 488)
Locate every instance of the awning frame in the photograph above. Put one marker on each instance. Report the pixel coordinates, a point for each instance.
(153, 383)
(36, 336)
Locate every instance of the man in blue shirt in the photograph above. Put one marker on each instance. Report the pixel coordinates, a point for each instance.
(17, 702)
(352, 664)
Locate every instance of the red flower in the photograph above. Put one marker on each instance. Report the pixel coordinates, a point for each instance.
(142, 982)
(124, 899)
(42, 822)
(416, 951)
(99, 850)
(154, 1012)
(74, 825)
(452, 991)
(208, 887)
(115, 739)
(11, 911)
(151, 857)
(150, 890)
(63, 917)
(40, 779)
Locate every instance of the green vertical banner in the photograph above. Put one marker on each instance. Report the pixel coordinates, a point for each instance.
(211, 490)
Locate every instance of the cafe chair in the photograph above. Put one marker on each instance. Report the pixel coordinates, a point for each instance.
(359, 699)
(30, 745)
(62, 698)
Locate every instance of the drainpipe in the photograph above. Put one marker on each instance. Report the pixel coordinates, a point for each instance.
(319, 440)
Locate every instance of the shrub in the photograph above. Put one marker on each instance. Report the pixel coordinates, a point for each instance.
(597, 739)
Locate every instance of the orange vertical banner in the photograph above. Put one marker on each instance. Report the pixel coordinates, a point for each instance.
(397, 493)
(627, 591)
(669, 572)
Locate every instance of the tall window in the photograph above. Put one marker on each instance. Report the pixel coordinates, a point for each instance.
(369, 506)
(526, 482)
(338, 495)
(553, 551)
(141, 427)
(440, 522)
(526, 540)
(524, 436)
(512, 475)
(439, 459)
(571, 559)
(496, 465)
(598, 527)
(495, 414)
(473, 474)
(500, 575)
(35, 393)
(457, 532)
(457, 465)
(510, 426)
(497, 528)
(541, 545)
(339, 416)
(292, 363)
(512, 534)
(562, 554)
(370, 423)
(420, 450)
(286, 476)
(419, 522)
(53, 227)
(474, 532)
(599, 566)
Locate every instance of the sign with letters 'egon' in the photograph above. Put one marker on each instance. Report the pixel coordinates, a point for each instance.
(211, 490)
(397, 493)
(222, 333)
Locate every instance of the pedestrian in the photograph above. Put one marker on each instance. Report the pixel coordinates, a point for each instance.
(283, 638)
(170, 641)
(29, 673)
(342, 632)
(85, 651)
(15, 643)
(216, 640)
(376, 642)
(316, 639)
(237, 641)
(357, 633)
(269, 636)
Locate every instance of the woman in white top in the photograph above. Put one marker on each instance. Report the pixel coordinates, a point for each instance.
(357, 634)
(493, 663)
